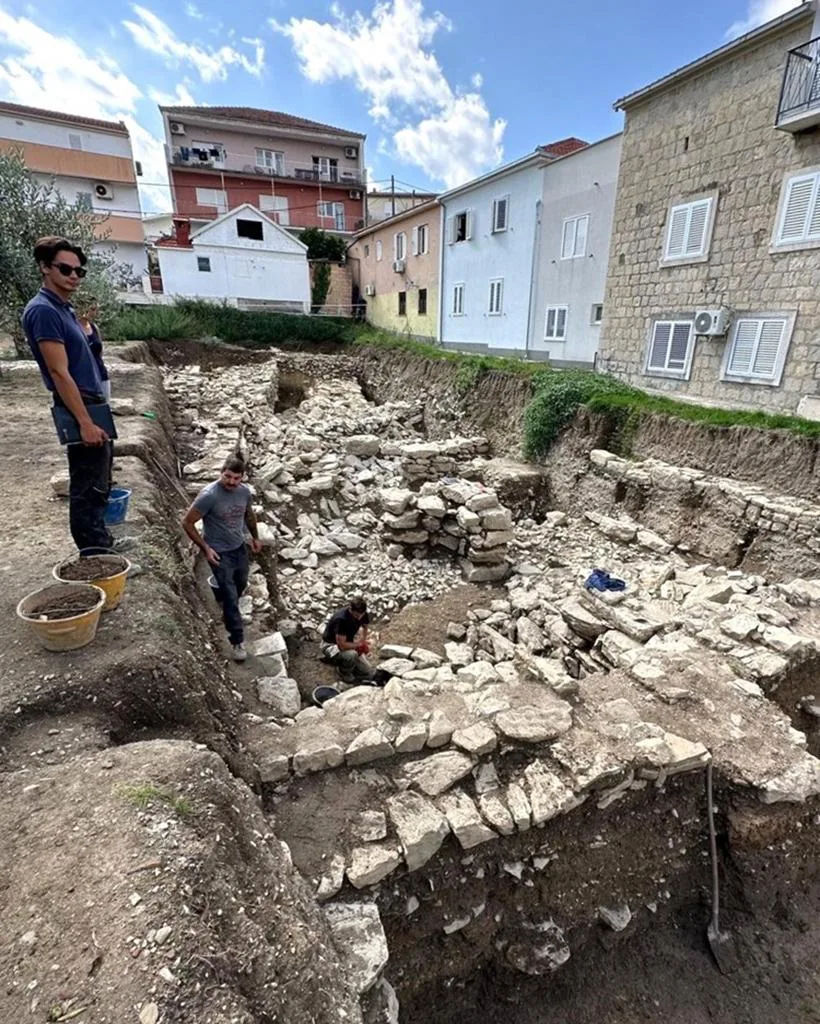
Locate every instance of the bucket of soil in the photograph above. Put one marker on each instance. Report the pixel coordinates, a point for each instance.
(107, 571)
(63, 616)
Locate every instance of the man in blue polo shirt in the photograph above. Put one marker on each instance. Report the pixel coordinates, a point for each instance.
(70, 373)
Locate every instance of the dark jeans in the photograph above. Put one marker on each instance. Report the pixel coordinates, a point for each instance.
(232, 576)
(89, 470)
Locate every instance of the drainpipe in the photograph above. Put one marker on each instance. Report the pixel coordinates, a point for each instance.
(441, 244)
(533, 272)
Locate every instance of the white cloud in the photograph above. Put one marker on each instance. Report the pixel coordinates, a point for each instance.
(180, 97)
(153, 34)
(194, 12)
(388, 57)
(46, 70)
(759, 12)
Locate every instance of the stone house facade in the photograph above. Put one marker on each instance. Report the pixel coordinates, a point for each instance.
(718, 209)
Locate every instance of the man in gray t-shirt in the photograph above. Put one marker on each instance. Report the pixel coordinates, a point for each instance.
(226, 511)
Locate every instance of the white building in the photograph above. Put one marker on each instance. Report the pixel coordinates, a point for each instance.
(242, 256)
(573, 251)
(91, 162)
(524, 250)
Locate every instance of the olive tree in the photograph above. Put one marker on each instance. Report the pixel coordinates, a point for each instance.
(30, 209)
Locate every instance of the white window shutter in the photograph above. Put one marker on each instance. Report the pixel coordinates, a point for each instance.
(567, 239)
(797, 208)
(660, 346)
(451, 230)
(395, 246)
(768, 347)
(561, 324)
(740, 360)
(415, 241)
(469, 233)
(581, 236)
(679, 346)
(676, 238)
(814, 216)
(698, 221)
(550, 331)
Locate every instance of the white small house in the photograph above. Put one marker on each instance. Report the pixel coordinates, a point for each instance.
(242, 255)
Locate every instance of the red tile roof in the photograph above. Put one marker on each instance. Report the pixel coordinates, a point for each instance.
(89, 122)
(563, 147)
(272, 117)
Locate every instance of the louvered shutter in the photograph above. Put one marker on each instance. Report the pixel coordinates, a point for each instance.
(797, 209)
(676, 239)
(696, 234)
(567, 239)
(451, 230)
(660, 346)
(415, 241)
(768, 347)
(679, 346)
(469, 225)
(740, 361)
(581, 236)
(814, 217)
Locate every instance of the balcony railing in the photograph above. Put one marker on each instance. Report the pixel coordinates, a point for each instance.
(799, 105)
(341, 176)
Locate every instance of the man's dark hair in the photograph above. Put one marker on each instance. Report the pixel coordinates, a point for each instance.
(234, 463)
(358, 605)
(46, 249)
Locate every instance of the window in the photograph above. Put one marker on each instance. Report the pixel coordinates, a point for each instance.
(402, 303)
(670, 349)
(574, 237)
(250, 229)
(378, 249)
(500, 210)
(757, 349)
(597, 314)
(366, 251)
(212, 197)
(461, 227)
(799, 219)
(422, 301)
(421, 243)
(271, 160)
(400, 245)
(388, 207)
(555, 325)
(75, 141)
(458, 300)
(84, 200)
(278, 206)
(496, 292)
(326, 168)
(203, 264)
(334, 212)
(688, 232)
(212, 154)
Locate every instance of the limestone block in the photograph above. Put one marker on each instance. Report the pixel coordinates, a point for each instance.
(348, 541)
(482, 501)
(496, 813)
(468, 521)
(395, 651)
(484, 573)
(273, 767)
(423, 658)
(420, 825)
(316, 755)
(540, 948)
(740, 627)
(458, 492)
(548, 796)
(370, 826)
(476, 739)
(464, 820)
(331, 881)
(535, 724)
(478, 673)
(529, 636)
(274, 643)
(796, 784)
(497, 521)
(397, 666)
(653, 542)
(358, 935)
(581, 621)
(369, 745)
(435, 774)
(439, 729)
(432, 505)
(406, 521)
(395, 499)
(411, 738)
(362, 445)
(60, 483)
(281, 694)
(325, 547)
(370, 864)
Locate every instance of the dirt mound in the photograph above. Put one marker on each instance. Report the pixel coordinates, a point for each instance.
(93, 567)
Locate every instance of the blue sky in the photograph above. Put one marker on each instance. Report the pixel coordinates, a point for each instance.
(443, 90)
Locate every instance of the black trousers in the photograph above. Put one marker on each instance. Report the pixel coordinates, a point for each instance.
(89, 470)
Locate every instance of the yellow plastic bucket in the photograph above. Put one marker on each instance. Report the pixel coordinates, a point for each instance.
(67, 634)
(113, 585)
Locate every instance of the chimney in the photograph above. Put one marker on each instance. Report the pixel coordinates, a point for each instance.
(182, 230)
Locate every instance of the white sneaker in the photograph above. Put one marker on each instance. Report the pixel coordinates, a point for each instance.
(124, 544)
(239, 652)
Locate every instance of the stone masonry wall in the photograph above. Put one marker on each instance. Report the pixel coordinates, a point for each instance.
(725, 119)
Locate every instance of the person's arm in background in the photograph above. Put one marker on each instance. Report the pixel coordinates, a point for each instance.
(56, 360)
(189, 521)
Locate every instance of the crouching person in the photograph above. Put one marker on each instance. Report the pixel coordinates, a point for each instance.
(226, 511)
(344, 643)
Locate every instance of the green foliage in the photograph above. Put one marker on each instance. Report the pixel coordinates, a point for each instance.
(30, 210)
(320, 286)
(198, 319)
(143, 794)
(468, 375)
(323, 246)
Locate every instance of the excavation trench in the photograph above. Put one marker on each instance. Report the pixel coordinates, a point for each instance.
(513, 828)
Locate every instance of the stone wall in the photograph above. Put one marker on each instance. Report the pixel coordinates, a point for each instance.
(713, 133)
(431, 460)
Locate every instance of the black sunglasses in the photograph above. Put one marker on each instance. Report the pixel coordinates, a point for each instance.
(67, 269)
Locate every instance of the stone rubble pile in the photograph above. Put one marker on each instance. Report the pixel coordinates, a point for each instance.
(451, 515)
(431, 460)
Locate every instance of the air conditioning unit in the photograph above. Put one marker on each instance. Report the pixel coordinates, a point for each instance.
(103, 191)
(399, 266)
(712, 323)
(370, 289)
(351, 152)
(177, 128)
(355, 193)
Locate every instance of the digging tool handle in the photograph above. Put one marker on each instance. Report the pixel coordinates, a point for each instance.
(713, 851)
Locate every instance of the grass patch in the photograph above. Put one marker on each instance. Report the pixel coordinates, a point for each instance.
(198, 319)
(143, 794)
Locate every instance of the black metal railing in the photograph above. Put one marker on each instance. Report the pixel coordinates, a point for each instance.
(801, 81)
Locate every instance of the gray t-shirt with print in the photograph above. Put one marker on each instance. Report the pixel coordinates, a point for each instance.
(223, 515)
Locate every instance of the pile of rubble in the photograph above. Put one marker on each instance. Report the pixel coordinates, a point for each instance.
(456, 516)
(431, 460)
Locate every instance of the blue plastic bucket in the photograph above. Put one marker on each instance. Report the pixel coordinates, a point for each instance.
(117, 507)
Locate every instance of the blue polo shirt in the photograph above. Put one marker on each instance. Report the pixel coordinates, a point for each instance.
(48, 318)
